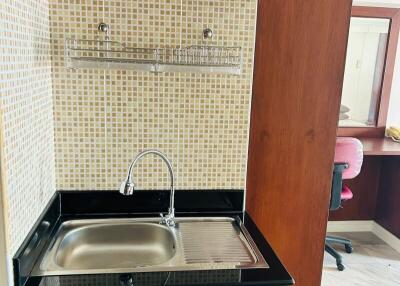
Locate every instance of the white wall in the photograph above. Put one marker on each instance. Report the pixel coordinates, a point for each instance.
(394, 104)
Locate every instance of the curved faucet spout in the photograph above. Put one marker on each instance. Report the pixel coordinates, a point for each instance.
(128, 186)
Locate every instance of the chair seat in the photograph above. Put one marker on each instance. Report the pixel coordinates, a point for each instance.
(346, 194)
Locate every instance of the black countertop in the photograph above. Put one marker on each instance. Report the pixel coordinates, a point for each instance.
(76, 205)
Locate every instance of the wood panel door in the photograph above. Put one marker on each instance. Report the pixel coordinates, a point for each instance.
(298, 76)
(388, 210)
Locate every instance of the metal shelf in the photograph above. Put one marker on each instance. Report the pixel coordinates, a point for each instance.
(114, 55)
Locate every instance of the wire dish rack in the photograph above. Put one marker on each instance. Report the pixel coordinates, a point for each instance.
(115, 55)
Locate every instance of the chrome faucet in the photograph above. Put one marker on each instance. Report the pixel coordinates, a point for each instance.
(128, 186)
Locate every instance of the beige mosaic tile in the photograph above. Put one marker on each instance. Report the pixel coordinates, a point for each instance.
(104, 117)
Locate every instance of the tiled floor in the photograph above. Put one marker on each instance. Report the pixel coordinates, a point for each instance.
(373, 263)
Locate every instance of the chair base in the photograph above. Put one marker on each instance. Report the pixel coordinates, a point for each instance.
(337, 240)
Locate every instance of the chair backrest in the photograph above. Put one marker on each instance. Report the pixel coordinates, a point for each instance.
(349, 150)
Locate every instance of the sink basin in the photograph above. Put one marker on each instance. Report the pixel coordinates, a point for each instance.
(99, 246)
(144, 245)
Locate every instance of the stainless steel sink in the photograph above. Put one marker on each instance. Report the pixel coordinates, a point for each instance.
(144, 245)
(123, 245)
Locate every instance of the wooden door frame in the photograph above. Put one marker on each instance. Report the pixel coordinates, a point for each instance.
(393, 14)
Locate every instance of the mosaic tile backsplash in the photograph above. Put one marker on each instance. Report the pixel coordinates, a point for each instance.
(26, 110)
(104, 117)
(79, 129)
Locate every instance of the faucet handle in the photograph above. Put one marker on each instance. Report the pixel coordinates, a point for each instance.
(168, 220)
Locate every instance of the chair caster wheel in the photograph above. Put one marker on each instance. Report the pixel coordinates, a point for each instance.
(349, 248)
(340, 266)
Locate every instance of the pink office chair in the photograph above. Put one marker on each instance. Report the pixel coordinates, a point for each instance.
(348, 161)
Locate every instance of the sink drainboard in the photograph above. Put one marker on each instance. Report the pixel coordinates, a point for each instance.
(214, 242)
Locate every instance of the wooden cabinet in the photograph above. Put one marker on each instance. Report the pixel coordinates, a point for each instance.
(298, 75)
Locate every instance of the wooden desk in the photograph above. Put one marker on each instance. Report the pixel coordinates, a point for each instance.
(380, 147)
(377, 188)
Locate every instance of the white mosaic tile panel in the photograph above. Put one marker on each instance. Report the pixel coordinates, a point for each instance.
(27, 114)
